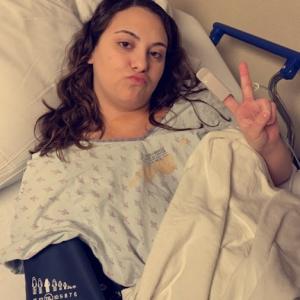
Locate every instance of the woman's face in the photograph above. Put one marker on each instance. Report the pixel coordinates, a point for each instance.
(129, 60)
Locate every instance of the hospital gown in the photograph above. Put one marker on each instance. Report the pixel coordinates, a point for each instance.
(112, 196)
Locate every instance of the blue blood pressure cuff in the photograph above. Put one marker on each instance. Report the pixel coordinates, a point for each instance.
(68, 270)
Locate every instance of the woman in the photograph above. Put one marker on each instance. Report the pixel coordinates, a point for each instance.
(129, 118)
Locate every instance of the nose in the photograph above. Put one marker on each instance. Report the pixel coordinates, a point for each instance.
(140, 62)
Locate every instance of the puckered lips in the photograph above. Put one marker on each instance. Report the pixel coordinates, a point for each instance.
(138, 79)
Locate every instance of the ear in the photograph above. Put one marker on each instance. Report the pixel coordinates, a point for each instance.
(91, 59)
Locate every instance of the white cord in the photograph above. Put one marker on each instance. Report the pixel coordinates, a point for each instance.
(256, 86)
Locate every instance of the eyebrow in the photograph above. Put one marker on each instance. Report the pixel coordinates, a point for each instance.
(138, 38)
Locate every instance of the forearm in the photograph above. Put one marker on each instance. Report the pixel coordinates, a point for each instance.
(279, 161)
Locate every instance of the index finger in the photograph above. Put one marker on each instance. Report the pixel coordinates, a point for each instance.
(246, 83)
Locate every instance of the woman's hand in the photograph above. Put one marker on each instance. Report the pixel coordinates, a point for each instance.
(256, 117)
(258, 122)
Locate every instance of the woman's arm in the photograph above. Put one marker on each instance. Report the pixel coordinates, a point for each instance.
(279, 161)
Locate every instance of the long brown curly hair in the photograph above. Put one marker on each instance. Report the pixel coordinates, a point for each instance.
(79, 112)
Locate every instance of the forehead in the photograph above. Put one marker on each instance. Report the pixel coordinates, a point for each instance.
(141, 21)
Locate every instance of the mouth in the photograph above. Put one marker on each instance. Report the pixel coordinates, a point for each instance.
(139, 80)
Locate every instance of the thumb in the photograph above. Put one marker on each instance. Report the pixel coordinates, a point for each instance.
(263, 118)
(253, 129)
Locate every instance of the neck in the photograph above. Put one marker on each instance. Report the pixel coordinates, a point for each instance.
(124, 124)
(127, 124)
(116, 116)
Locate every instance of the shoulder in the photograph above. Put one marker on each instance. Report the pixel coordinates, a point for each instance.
(47, 166)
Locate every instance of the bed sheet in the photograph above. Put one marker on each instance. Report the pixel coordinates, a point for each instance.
(234, 237)
(11, 286)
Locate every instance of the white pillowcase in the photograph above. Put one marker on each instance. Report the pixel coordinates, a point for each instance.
(33, 38)
(85, 8)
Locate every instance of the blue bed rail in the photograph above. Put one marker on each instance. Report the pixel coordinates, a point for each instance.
(292, 65)
(288, 71)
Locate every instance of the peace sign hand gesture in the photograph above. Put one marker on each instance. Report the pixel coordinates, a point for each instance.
(256, 117)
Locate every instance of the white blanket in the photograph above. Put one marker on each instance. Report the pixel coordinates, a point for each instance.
(228, 234)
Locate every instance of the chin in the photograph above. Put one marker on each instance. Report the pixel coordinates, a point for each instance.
(134, 104)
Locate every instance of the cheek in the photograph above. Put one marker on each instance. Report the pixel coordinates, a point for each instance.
(107, 68)
(116, 68)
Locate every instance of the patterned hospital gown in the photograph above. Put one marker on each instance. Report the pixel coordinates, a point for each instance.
(113, 196)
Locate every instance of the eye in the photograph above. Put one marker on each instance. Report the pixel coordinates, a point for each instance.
(125, 44)
(156, 55)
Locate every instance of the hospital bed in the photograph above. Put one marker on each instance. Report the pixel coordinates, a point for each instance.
(38, 33)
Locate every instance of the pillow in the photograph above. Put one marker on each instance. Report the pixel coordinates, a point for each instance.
(85, 8)
(202, 52)
(33, 38)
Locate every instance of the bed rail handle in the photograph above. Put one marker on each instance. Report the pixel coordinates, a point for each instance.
(290, 68)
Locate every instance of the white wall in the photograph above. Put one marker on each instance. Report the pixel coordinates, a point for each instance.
(276, 20)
